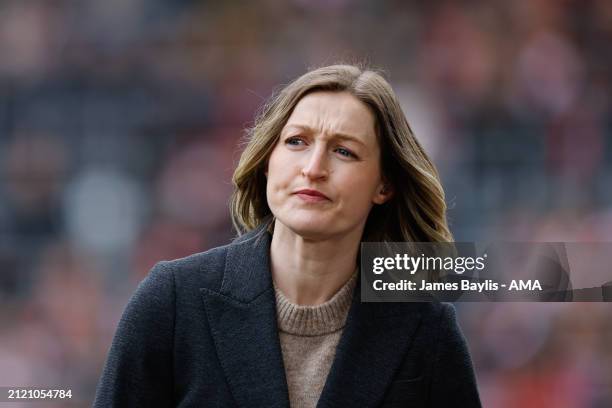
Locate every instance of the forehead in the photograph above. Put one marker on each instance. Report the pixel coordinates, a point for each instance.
(334, 112)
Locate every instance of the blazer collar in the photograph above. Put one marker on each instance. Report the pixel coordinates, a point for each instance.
(247, 266)
(243, 322)
(242, 319)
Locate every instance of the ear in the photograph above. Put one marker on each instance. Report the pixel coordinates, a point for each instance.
(383, 194)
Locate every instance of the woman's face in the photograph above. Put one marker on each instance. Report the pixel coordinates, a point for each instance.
(323, 175)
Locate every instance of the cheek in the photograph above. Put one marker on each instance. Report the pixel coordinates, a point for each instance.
(361, 184)
(273, 164)
(278, 170)
(357, 193)
(361, 203)
(279, 155)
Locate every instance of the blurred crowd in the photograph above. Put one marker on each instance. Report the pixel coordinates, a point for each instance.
(121, 123)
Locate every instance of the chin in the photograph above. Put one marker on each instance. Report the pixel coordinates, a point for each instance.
(314, 229)
(309, 230)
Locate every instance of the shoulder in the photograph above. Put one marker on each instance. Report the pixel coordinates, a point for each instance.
(454, 377)
(436, 322)
(439, 320)
(443, 320)
(202, 270)
(441, 313)
(205, 269)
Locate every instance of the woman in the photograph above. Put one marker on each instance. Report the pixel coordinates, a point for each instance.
(275, 319)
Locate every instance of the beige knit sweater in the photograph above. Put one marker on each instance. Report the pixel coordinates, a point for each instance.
(309, 336)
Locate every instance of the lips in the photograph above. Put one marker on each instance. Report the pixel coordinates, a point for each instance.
(311, 195)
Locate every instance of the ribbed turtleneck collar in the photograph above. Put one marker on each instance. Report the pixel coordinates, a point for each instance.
(315, 320)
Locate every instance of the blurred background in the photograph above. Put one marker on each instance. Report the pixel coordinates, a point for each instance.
(120, 123)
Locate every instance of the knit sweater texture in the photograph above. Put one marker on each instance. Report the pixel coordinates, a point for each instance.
(308, 337)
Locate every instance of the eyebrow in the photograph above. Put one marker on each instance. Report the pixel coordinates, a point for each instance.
(343, 136)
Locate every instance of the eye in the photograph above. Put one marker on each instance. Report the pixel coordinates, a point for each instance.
(294, 141)
(345, 152)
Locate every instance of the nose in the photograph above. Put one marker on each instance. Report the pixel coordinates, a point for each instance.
(316, 165)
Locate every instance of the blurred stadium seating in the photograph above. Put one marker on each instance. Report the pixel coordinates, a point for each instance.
(120, 124)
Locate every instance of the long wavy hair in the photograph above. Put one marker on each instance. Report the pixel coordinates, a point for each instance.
(417, 210)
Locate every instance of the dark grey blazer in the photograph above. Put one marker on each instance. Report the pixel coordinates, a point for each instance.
(201, 332)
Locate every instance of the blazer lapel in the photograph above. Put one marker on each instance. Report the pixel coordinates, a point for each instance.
(242, 318)
(370, 351)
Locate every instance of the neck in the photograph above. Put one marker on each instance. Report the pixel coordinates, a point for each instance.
(310, 272)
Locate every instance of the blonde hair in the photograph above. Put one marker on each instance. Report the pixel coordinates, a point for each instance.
(417, 210)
